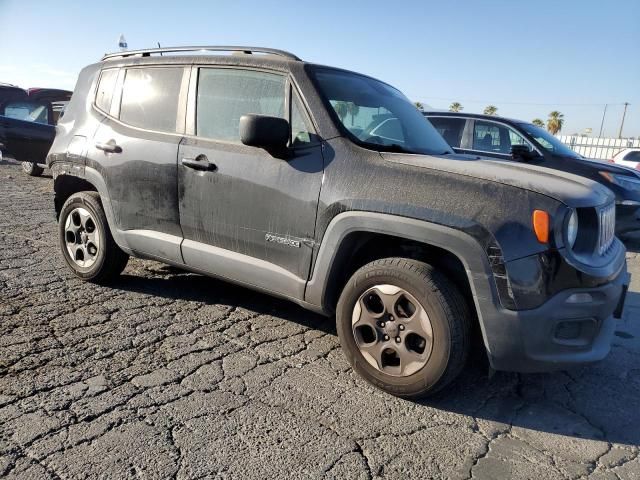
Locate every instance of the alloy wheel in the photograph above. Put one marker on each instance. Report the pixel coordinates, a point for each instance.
(392, 330)
(81, 237)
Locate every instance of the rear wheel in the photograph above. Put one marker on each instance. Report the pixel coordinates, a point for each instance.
(404, 326)
(86, 241)
(32, 169)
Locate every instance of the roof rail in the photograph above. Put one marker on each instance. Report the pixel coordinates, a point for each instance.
(204, 48)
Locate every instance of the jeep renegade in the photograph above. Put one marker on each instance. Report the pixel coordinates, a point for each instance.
(329, 188)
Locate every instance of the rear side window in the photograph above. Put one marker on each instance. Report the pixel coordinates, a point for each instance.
(632, 156)
(224, 95)
(28, 111)
(106, 86)
(150, 98)
(451, 129)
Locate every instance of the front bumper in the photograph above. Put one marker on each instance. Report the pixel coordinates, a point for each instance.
(568, 329)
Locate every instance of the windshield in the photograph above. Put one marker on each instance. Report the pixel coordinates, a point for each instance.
(548, 141)
(377, 115)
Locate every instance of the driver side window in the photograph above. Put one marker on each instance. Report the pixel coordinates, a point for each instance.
(493, 137)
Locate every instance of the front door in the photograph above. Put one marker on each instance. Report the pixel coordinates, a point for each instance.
(246, 214)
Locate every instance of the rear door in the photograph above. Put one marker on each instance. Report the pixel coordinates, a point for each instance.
(25, 131)
(251, 217)
(135, 149)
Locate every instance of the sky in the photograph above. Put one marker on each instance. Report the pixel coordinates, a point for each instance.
(525, 57)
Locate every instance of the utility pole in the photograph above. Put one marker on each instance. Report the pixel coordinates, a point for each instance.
(624, 112)
(602, 123)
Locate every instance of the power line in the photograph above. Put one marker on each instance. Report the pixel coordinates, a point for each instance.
(497, 102)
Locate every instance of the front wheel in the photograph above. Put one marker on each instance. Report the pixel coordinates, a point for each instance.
(32, 169)
(86, 241)
(404, 326)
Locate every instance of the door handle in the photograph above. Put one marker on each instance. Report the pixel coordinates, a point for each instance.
(109, 147)
(199, 163)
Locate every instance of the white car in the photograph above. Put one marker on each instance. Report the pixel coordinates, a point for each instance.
(629, 157)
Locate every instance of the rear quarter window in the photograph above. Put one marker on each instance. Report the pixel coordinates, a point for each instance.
(106, 86)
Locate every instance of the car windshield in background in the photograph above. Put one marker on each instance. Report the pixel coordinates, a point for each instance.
(548, 141)
(376, 115)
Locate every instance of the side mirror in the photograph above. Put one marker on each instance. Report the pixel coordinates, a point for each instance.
(270, 133)
(522, 153)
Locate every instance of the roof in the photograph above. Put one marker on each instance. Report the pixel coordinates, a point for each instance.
(201, 49)
(471, 115)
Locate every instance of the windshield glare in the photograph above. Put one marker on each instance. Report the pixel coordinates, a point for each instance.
(548, 141)
(377, 115)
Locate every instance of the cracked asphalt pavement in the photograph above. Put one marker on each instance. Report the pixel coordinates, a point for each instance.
(167, 374)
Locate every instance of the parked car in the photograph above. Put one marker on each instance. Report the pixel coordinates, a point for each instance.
(508, 139)
(629, 157)
(279, 175)
(27, 123)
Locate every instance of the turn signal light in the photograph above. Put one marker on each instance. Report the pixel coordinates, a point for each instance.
(541, 225)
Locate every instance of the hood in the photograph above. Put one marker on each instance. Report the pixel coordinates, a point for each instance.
(604, 166)
(572, 190)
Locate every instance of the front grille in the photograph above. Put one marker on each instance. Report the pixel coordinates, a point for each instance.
(607, 221)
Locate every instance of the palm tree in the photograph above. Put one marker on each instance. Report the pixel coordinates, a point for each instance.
(490, 110)
(537, 122)
(342, 109)
(419, 106)
(353, 110)
(555, 122)
(455, 107)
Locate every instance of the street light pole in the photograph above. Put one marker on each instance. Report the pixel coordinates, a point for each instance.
(624, 113)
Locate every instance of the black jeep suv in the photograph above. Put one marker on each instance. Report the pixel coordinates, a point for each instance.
(508, 139)
(328, 188)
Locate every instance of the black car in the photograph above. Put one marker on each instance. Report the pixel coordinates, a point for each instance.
(27, 123)
(508, 139)
(329, 188)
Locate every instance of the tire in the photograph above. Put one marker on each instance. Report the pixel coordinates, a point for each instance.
(83, 230)
(445, 314)
(32, 169)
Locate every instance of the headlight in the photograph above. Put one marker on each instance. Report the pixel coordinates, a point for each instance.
(624, 181)
(572, 229)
